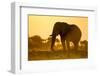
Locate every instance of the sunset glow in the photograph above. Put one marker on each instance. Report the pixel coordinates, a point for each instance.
(43, 25)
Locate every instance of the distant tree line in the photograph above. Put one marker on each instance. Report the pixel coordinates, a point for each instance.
(37, 43)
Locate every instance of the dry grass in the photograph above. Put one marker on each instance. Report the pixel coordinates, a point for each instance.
(59, 54)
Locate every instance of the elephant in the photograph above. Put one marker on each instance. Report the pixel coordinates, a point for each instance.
(68, 33)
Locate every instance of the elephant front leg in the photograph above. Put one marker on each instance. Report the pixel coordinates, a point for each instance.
(68, 45)
(68, 48)
(63, 43)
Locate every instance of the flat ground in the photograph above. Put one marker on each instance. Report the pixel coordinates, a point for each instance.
(55, 55)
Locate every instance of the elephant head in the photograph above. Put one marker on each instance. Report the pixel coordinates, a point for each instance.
(67, 32)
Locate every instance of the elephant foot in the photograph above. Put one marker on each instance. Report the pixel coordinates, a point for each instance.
(52, 49)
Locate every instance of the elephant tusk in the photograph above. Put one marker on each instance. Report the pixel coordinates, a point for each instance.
(50, 35)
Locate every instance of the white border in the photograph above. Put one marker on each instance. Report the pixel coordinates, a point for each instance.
(19, 30)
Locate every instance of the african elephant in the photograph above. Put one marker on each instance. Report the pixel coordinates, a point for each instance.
(68, 33)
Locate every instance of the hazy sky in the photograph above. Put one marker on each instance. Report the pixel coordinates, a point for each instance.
(43, 25)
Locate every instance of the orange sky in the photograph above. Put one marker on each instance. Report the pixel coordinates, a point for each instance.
(43, 25)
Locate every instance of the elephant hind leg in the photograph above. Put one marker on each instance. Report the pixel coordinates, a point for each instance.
(76, 46)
